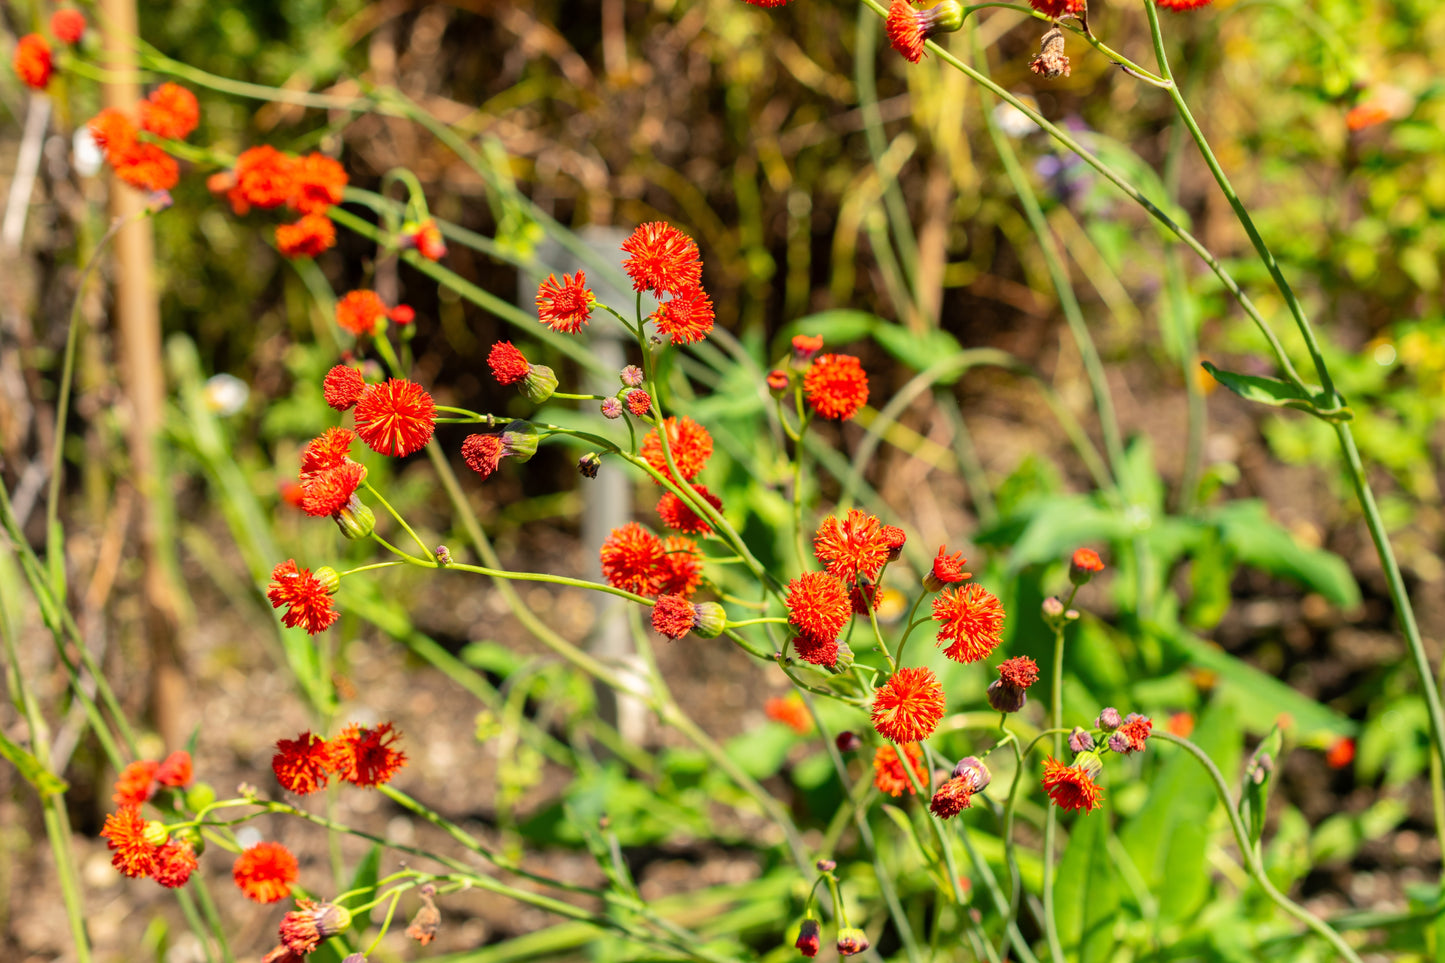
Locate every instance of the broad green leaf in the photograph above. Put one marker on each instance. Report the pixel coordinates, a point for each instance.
(1086, 893)
(918, 352)
(1257, 541)
(1275, 393)
(838, 327)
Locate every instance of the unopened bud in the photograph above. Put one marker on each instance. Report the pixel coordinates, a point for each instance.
(851, 941)
(848, 742)
(1108, 720)
(632, 376)
(155, 833)
(444, 556)
(777, 381)
(199, 796)
(355, 520)
(1083, 566)
(808, 941)
(1005, 697)
(539, 384)
(328, 577)
(711, 619)
(844, 661)
(1053, 609)
(826, 865)
(1119, 743)
(611, 409)
(589, 464)
(975, 770)
(1080, 740)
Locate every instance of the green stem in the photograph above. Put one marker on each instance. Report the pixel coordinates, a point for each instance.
(1251, 853)
(1051, 815)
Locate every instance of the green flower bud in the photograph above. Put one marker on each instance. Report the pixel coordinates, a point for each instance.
(199, 796)
(156, 833)
(711, 620)
(520, 438)
(355, 520)
(539, 383)
(328, 577)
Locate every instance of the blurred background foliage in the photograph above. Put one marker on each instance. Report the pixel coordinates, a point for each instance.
(835, 189)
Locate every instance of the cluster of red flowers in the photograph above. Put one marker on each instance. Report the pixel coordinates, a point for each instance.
(687, 441)
(266, 178)
(329, 478)
(361, 311)
(888, 773)
(665, 261)
(635, 560)
(266, 872)
(361, 755)
(33, 60)
(170, 112)
(306, 598)
(141, 849)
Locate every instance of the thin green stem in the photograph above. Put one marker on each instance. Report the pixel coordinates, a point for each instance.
(1051, 815)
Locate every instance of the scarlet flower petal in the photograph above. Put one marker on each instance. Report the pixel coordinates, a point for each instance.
(565, 307)
(688, 317)
(853, 547)
(909, 705)
(662, 259)
(507, 363)
(170, 111)
(690, 443)
(176, 771)
(836, 386)
(266, 872)
(630, 559)
(673, 616)
(888, 773)
(677, 515)
(308, 237)
(818, 605)
(342, 387)
(359, 312)
(365, 756)
(32, 61)
(1070, 787)
(124, 833)
(396, 417)
(971, 622)
(306, 599)
(301, 764)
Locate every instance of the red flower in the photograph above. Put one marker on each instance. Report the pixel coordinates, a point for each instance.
(661, 259)
(679, 572)
(124, 833)
(428, 241)
(1085, 562)
(909, 705)
(1365, 115)
(308, 237)
(306, 927)
(359, 312)
(1071, 787)
(170, 111)
(402, 314)
(818, 605)
(790, 711)
(396, 417)
(266, 872)
(175, 862)
(688, 317)
(1019, 672)
(895, 538)
(1178, 6)
(677, 516)
(113, 132)
(301, 764)
(836, 386)
(483, 453)
(1135, 731)
(946, 570)
(263, 177)
(68, 25)
(306, 598)
(327, 492)
(133, 785)
(630, 558)
(1180, 724)
(818, 650)
(673, 616)
(507, 363)
(32, 61)
(342, 386)
(689, 442)
(364, 756)
(330, 450)
(952, 798)
(639, 402)
(805, 346)
(177, 771)
(318, 182)
(778, 380)
(905, 30)
(565, 307)
(853, 547)
(147, 168)
(972, 622)
(1057, 8)
(888, 773)
(1341, 753)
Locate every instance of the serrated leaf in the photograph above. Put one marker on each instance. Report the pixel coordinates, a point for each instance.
(1275, 393)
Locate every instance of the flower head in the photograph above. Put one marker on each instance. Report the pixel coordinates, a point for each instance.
(1134, 732)
(146, 167)
(639, 402)
(909, 705)
(318, 182)
(805, 348)
(565, 307)
(263, 177)
(952, 798)
(301, 764)
(888, 773)
(673, 616)
(852, 941)
(1368, 114)
(507, 363)
(175, 862)
(1058, 8)
(171, 111)
(134, 783)
(396, 417)
(1084, 565)
(895, 538)
(690, 443)
(808, 941)
(32, 61)
(308, 237)
(328, 491)
(342, 387)
(68, 25)
(483, 453)
(677, 515)
(661, 259)
(266, 872)
(360, 311)
(330, 449)
(836, 386)
(1341, 753)
(853, 547)
(946, 570)
(630, 558)
(306, 598)
(817, 650)
(1071, 787)
(125, 834)
(176, 771)
(818, 606)
(778, 381)
(790, 711)
(1180, 724)
(427, 238)
(679, 571)
(1179, 6)
(364, 756)
(113, 132)
(688, 317)
(971, 622)
(311, 923)
(1020, 671)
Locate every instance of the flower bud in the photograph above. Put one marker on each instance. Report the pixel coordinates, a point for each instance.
(199, 796)
(1108, 720)
(444, 556)
(611, 408)
(973, 767)
(711, 619)
(589, 464)
(520, 439)
(155, 833)
(539, 384)
(328, 578)
(1083, 566)
(355, 520)
(777, 381)
(1118, 742)
(851, 941)
(1080, 740)
(1004, 697)
(1053, 609)
(632, 376)
(808, 941)
(826, 865)
(848, 742)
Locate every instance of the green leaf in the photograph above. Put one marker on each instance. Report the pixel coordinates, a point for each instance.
(839, 326)
(363, 885)
(45, 782)
(1258, 541)
(918, 351)
(1275, 393)
(1086, 894)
